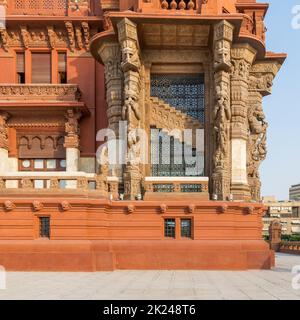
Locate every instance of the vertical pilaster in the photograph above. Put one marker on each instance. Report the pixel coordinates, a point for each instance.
(4, 160)
(242, 59)
(110, 53)
(72, 141)
(260, 85)
(131, 110)
(223, 35)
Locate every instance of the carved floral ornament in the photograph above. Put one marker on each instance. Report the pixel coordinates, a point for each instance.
(75, 36)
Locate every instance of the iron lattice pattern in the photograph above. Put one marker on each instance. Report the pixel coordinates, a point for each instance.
(168, 159)
(184, 92)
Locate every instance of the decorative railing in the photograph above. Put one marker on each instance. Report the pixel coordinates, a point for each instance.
(178, 186)
(178, 5)
(58, 182)
(290, 247)
(38, 7)
(37, 92)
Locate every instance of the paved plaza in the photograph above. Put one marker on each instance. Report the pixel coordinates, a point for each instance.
(133, 285)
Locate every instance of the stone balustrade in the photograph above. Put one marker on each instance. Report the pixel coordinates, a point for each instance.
(40, 92)
(176, 188)
(290, 247)
(45, 183)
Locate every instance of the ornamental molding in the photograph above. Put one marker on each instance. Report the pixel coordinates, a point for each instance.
(33, 92)
(48, 36)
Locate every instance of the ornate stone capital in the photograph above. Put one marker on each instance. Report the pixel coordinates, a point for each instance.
(262, 75)
(223, 35)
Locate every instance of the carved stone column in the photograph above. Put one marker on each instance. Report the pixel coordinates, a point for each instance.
(4, 160)
(131, 110)
(72, 140)
(242, 59)
(223, 35)
(110, 53)
(260, 85)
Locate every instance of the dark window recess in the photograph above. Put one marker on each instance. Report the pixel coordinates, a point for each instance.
(62, 68)
(170, 226)
(45, 227)
(41, 68)
(186, 228)
(20, 68)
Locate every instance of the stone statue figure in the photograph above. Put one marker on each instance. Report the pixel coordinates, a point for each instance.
(222, 115)
(257, 139)
(72, 126)
(134, 148)
(130, 110)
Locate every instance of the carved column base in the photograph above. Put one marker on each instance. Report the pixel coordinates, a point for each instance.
(132, 183)
(221, 185)
(255, 189)
(240, 192)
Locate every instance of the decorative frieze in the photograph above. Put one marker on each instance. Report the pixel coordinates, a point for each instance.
(33, 92)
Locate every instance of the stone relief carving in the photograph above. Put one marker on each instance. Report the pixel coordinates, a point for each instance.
(221, 116)
(4, 116)
(70, 34)
(257, 147)
(72, 128)
(131, 67)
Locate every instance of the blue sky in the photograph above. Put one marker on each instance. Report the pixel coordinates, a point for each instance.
(282, 167)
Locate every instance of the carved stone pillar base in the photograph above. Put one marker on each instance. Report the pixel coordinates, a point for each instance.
(255, 188)
(240, 192)
(221, 185)
(132, 183)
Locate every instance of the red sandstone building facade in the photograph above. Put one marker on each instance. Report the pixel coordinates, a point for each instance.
(72, 68)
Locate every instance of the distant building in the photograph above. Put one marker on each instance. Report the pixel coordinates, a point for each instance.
(295, 192)
(287, 212)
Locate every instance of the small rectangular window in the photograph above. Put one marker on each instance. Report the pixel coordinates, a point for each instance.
(186, 228)
(41, 68)
(170, 228)
(62, 68)
(20, 63)
(44, 227)
(38, 164)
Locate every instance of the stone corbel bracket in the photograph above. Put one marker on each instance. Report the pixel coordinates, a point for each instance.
(4, 39)
(262, 75)
(71, 35)
(9, 206)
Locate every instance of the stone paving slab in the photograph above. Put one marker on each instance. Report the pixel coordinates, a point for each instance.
(273, 284)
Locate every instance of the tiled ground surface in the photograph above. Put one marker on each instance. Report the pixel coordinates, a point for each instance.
(133, 285)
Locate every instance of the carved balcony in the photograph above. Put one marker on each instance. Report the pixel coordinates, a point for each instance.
(176, 188)
(38, 92)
